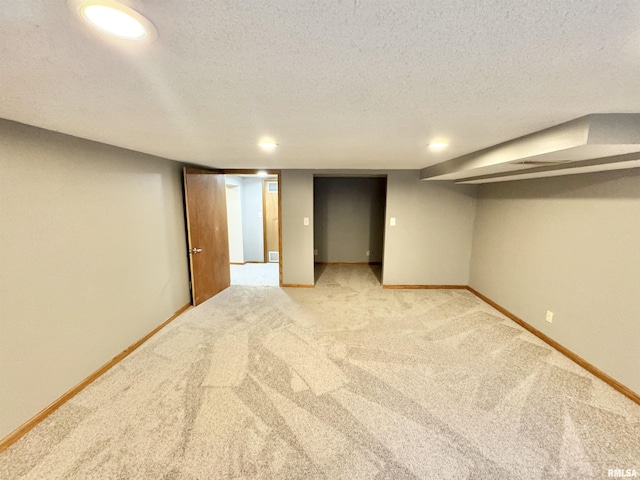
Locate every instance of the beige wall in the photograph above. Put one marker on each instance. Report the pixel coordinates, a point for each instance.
(431, 241)
(296, 190)
(252, 222)
(570, 245)
(92, 257)
(233, 186)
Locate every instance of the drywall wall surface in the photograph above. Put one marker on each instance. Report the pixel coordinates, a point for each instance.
(349, 219)
(296, 191)
(92, 258)
(570, 245)
(234, 218)
(430, 243)
(252, 222)
(233, 180)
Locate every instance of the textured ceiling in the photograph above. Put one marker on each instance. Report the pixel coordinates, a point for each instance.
(336, 84)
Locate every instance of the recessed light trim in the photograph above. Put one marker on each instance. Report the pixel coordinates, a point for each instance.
(114, 19)
(438, 145)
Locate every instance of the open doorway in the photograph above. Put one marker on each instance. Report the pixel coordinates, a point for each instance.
(349, 221)
(254, 228)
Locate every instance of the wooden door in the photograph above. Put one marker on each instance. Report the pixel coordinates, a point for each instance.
(270, 215)
(208, 240)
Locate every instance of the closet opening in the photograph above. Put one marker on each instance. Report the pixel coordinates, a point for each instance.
(348, 226)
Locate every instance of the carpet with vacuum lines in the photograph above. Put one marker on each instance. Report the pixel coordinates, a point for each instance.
(343, 381)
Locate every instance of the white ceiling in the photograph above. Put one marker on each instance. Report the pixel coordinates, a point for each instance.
(338, 84)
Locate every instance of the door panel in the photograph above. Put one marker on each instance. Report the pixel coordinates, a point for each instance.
(271, 226)
(205, 200)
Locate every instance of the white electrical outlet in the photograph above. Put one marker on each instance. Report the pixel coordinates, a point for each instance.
(305, 221)
(368, 253)
(549, 316)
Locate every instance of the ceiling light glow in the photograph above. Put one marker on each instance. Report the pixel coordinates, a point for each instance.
(268, 146)
(262, 173)
(114, 19)
(438, 145)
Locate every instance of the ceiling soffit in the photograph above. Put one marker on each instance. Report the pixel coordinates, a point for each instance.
(593, 140)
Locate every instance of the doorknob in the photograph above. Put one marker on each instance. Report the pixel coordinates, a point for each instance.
(195, 250)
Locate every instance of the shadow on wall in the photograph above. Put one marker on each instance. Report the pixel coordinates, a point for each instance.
(589, 185)
(349, 216)
(377, 216)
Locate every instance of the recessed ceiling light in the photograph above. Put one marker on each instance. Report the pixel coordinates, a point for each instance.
(439, 145)
(114, 19)
(268, 146)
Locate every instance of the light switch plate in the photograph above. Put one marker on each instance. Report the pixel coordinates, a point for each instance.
(392, 221)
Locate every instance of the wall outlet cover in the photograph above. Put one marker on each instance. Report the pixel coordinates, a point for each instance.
(549, 316)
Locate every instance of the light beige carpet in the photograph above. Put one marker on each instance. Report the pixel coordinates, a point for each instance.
(255, 274)
(344, 381)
